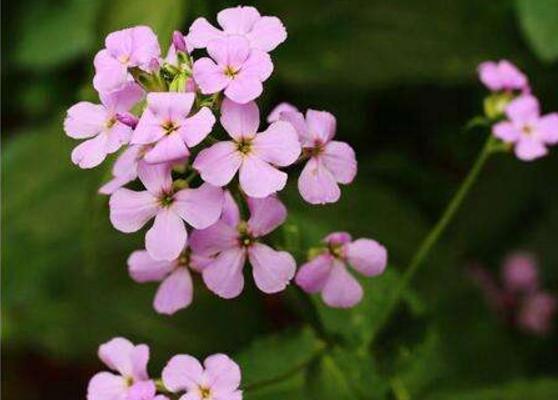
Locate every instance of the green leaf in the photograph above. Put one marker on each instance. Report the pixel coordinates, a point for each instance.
(53, 33)
(273, 358)
(538, 23)
(290, 388)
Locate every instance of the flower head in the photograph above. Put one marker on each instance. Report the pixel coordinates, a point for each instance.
(328, 273)
(502, 76)
(167, 125)
(234, 68)
(254, 155)
(520, 273)
(130, 381)
(176, 289)
(263, 33)
(165, 240)
(528, 131)
(98, 123)
(232, 240)
(132, 47)
(330, 162)
(217, 379)
(537, 312)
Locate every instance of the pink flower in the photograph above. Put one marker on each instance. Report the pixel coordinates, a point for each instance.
(234, 68)
(331, 162)
(328, 274)
(131, 210)
(145, 390)
(98, 124)
(166, 124)
(502, 75)
(232, 240)
(276, 113)
(131, 381)
(218, 378)
(132, 47)
(263, 33)
(526, 129)
(176, 290)
(537, 313)
(520, 274)
(255, 154)
(125, 168)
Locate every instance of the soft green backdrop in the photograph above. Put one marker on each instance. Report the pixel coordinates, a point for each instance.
(400, 77)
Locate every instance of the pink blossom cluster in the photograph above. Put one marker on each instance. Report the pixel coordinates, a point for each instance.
(217, 378)
(519, 298)
(523, 126)
(196, 166)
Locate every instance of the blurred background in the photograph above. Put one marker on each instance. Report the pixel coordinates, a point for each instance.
(400, 76)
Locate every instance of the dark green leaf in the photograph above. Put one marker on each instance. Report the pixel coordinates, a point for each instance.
(538, 22)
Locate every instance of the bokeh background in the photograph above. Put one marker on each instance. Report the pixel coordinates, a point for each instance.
(400, 77)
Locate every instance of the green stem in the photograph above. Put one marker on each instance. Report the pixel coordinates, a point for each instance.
(434, 235)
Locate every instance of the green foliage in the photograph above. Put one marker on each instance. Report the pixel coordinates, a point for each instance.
(538, 22)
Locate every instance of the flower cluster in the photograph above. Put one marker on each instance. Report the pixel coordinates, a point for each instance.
(520, 123)
(519, 298)
(218, 378)
(195, 161)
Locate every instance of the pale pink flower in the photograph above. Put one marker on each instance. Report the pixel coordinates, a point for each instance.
(328, 272)
(176, 290)
(165, 240)
(520, 273)
(145, 390)
(537, 313)
(130, 382)
(167, 124)
(234, 68)
(231, 241)
(132, 47)
(528, 131)
(275, 114)
(125, 168)
(218, 378)
(330, 163)
(263, 33)
(502, 75)
(99, 125)
(254, 155)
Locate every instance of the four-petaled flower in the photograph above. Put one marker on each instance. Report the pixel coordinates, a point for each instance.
(217, 379)
(176, 290)
(502, 76)
(166, 124)
(254, 154)
(132, 47)
(327, 273)
(99, 124)
(234, 68)
(232, 240)
(330, 162)
(165, 240)
(263, 33)
(526, 129)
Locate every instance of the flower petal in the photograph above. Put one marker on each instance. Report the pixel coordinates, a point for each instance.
(117, 355)
(238, 20)
(339, 158)
(272, 269)
(523, 109)
(223, 373)
(230, 51)
(107, 386)
(169, 148)
(91, 152)
(202, 32)
(341, 289)
(85, 120)
(182, 372)
(278, 144)
(258, 64)
(212, 240)
(367, 256)
(506, 131)
(143, 268)
(123, 99)
(259, 179)
(267, 33)
(130, 210)
(240, 120)
(244, 88)
(231, 212)
(529, 149)
(317, 185)
(196, 128)
(170, 105)
(266, 215)
(199, 207)
(176, 292)
(208, 76)
(313, 275)
(110, 74)
(166, 239)
(321, 125)
(156, 178)
(548, 128)
(277, 113)
(149, 129)
(218, 164)
(224, 275)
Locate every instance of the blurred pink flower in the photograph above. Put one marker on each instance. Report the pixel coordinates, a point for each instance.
(526, 129)
(232, 240)
(98, 124)
(328, 272)
(218, 378)
(255, 155)
(263, 33)
(502, 75)
(537, 312)
(519, 273)
(234, 68)
(165, 240)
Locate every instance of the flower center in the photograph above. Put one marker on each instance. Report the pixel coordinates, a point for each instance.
(166, 199)
(124, 58)
(313, 151)
(245, 237)
(110, 122)
(205, 393)
(184, 258)
(230, 71)
(336, 250)
(527, 130)
(169, 127)
(244, 146)
(128, 381)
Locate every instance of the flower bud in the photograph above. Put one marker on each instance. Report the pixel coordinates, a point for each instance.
(178, 41)
(127, 119)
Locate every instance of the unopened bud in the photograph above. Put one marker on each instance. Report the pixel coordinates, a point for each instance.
(127, 119)
(178, 41)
